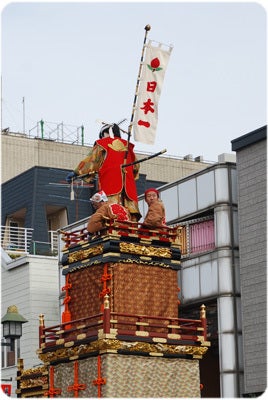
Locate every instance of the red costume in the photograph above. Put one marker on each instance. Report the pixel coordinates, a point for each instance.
(107, 158)
(111, 174)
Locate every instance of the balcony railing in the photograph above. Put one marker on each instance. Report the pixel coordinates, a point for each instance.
(16, 239)
(197, 236)
(19, 240)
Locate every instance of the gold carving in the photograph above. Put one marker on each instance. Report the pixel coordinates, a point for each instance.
(83, 254)
(110, 344)
(73, 358)
(144, 250)
(33, 382)
(37, 370)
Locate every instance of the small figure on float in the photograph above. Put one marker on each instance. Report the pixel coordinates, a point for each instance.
(156, 215)
(107, 156)
(105, 208)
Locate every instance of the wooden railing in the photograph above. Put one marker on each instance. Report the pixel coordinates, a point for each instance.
(126, 228)
(195, 236)
(184, 330)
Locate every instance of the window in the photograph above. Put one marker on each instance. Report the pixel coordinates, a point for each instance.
(8, 353)
(197, 235)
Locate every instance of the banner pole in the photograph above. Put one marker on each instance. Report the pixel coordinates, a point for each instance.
(147, 28)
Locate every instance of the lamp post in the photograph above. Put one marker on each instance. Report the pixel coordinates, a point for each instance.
(12, 326)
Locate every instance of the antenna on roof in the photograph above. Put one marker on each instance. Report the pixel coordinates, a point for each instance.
(23, 114)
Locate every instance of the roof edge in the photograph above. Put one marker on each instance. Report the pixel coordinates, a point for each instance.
(249, 138)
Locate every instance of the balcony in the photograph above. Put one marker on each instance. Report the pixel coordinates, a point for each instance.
(17, 241)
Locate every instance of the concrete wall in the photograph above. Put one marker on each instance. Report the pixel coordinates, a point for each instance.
(20, 153)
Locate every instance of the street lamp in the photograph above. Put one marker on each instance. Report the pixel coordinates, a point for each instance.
(12, 325)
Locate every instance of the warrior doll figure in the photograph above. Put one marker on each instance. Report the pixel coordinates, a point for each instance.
(106, 158)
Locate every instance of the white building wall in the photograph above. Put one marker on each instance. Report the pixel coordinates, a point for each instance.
(33, 286)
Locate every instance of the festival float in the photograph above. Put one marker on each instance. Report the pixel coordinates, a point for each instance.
(120, 333)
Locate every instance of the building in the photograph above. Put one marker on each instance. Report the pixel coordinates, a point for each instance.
(251, 153)
(21, 152)
(205, 204)
(30, 282)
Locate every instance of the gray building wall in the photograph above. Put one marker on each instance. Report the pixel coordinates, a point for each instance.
(251, 178)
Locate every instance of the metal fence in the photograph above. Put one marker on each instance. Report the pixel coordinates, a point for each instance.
(20, 240)
(16, 239)
(58, 132)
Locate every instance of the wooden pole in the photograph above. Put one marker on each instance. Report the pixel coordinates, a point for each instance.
(147, 28)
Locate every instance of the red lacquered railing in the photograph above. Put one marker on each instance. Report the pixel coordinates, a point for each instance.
(125, 325)
(195, 236)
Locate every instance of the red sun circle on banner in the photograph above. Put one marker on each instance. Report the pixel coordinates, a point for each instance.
(154, 65)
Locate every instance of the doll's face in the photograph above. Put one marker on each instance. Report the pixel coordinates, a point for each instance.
(151, 197)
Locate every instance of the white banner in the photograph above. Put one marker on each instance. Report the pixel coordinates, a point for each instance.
(150, 85)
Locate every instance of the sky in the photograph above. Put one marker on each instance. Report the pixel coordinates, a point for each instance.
(78, 62)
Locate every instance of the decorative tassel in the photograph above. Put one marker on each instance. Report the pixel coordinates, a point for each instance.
(100, 380)
(76, 387)
(52, 392)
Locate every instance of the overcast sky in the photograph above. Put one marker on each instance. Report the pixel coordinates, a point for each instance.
(78, 62)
